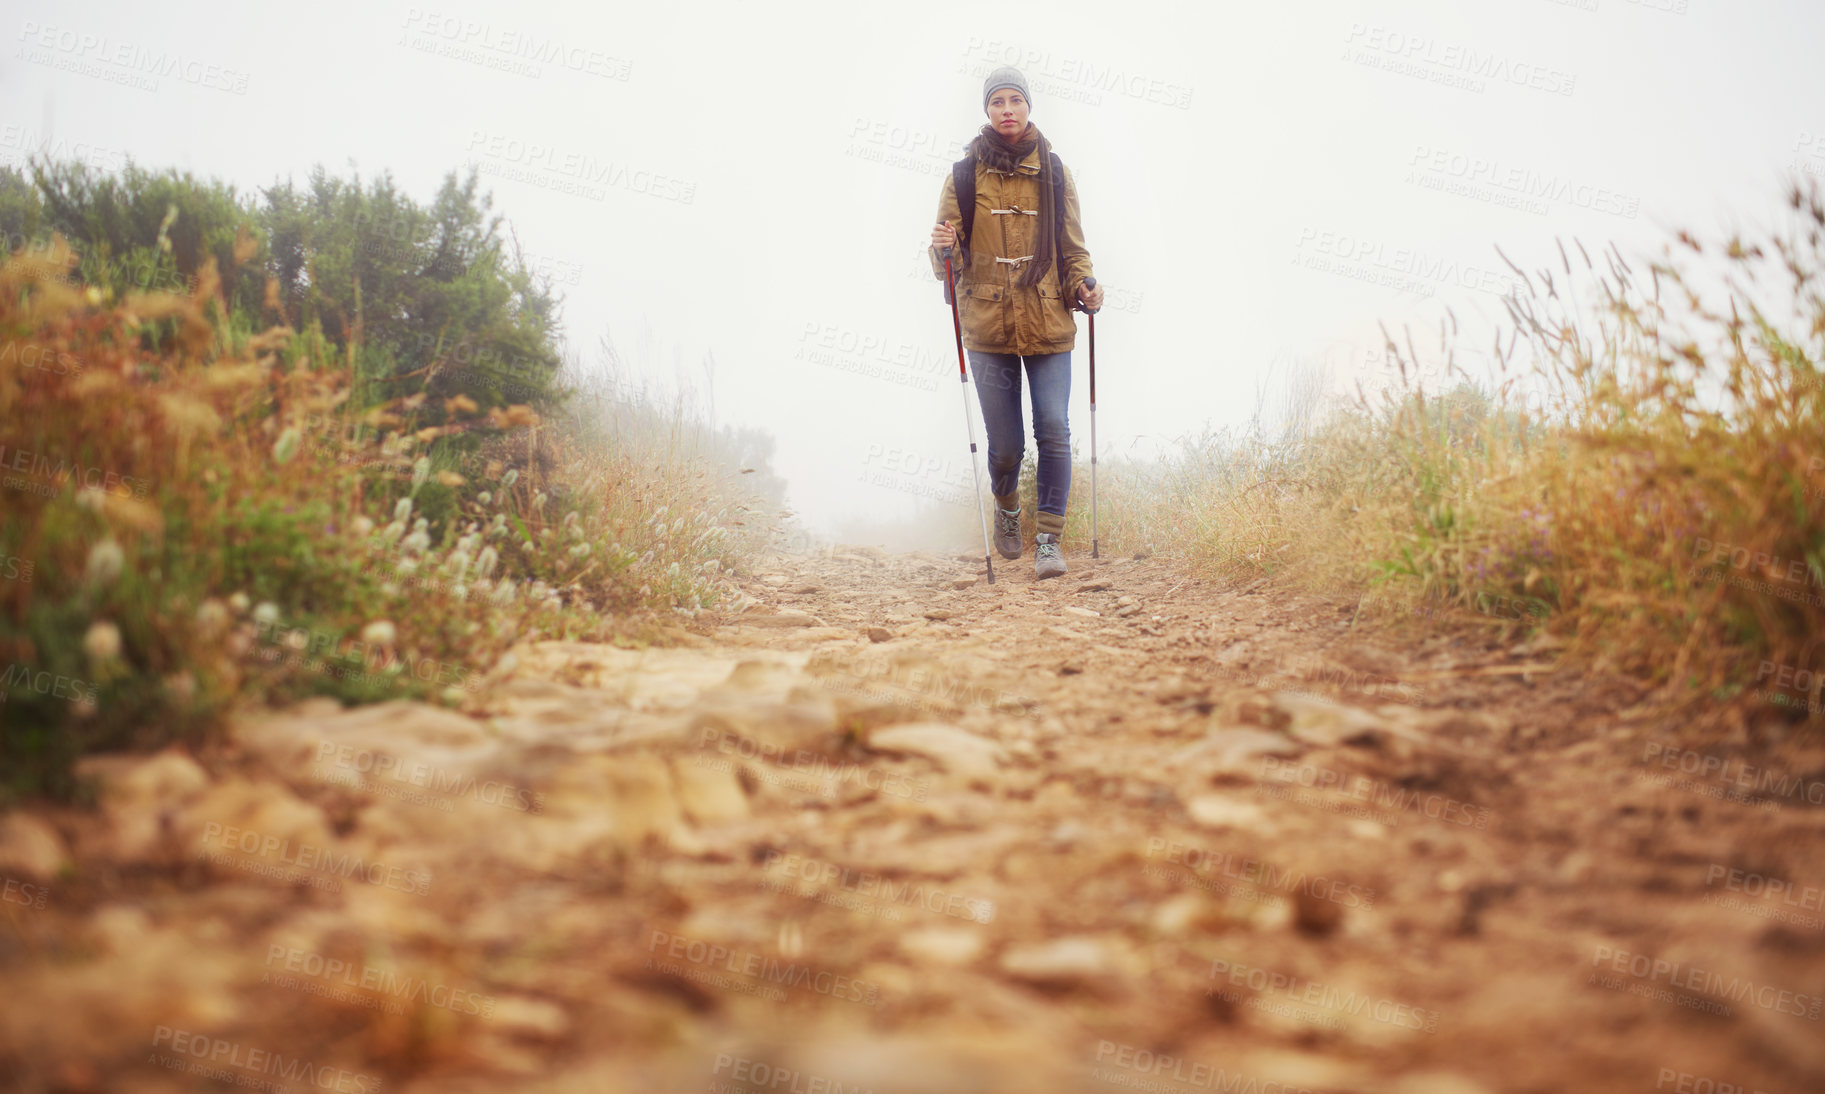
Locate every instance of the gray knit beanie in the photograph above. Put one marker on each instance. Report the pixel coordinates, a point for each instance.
(1005, 76)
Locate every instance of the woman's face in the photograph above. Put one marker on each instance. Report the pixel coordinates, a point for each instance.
(1007, 111)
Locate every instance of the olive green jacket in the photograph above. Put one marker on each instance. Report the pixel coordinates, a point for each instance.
(998, 315)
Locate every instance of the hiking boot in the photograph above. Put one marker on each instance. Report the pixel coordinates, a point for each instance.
(1007, 532)
(1048, 559)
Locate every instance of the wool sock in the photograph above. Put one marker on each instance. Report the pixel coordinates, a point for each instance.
(1050, 522)
(1010, 503)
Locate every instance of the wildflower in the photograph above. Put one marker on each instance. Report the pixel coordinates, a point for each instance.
(379, 633)
(418, 541)
(484, 497)
(581, 550)
(512, 476)
(286, 446)
(485, 563)
(266, 614)
(238, 603)
(421, 470)
(102, 643)
(211, 618)
(105, 562)
(503, 593)
(538, 501)
(403, 510)
(362, 527)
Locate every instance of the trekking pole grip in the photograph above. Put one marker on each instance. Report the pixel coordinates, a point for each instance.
(1089, 283)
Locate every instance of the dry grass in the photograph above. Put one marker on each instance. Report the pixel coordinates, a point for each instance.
(1663, 516)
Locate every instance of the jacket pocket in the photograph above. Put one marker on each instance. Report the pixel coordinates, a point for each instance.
(984, 309)
(1055, 322)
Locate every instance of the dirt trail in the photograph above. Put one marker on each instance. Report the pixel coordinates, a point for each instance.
(894, 829)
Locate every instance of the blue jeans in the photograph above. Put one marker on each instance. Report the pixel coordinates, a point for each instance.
(998, 389)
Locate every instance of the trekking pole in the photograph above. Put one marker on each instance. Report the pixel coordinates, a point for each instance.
(969, 427)
(1090, 283)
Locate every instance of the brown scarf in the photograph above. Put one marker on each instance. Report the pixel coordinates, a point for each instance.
(991, 150)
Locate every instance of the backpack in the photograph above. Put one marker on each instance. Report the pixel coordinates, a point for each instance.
(963, 180)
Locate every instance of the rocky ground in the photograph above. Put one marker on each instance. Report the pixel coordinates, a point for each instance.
(894, 829)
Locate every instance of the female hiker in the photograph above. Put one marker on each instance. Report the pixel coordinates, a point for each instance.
(1020, 259)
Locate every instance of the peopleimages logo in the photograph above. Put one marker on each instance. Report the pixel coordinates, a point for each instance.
(1071, 78)
(118, 61)
(55, 471)
(1180, 1071)
(1458, 58)
(19, 144)
(752, 1074)
(212, 1056)
(309, 857)
(1519, 187)
(1766, 781)
(384, 767)
(467, 34)
(367, 978)
(527, 160)
(758, 968)
(1298, 989)
(817, 872)
(1264, 876)
(1690, 978)
(1799, 571)
(23, 892)
(20, 677)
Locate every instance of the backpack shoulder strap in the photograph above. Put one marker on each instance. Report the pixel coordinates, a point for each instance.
(1058, 219)
(963, 180)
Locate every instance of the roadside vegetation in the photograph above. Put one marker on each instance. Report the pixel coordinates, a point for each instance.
(318, 440)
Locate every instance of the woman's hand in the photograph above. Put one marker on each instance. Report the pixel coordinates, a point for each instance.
(944, 236)
(1092, 299)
